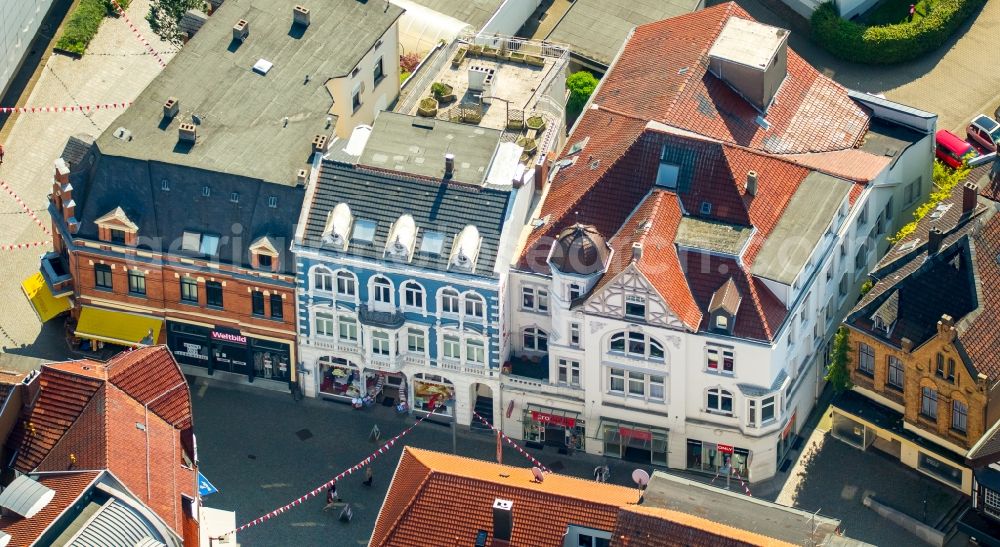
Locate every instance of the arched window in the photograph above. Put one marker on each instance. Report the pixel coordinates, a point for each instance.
(413, 295)
(346, 284)
(449, 301)
(719, 401)
(535, 339)
(322, 279)
(474, 306)
(636, 344)
(382, 290)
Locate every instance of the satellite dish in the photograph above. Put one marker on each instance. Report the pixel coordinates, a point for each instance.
(640, 477)
(537, 472)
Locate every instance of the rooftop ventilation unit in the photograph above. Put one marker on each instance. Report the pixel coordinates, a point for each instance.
(319, 143)
(187, 132)
(300, 16)
(171, 108)
(262, 66)
(301, 177)
(241, 30)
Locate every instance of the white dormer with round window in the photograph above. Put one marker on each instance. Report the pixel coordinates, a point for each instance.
(402, 237)
(465, 250)
(338, 226)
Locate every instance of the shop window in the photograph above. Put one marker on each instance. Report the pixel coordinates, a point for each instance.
(616, 380)
(324, 324)
(452, 347)
(257, 302)
(895, 372)
(718, 459)
(719, 359)
(959, 416)
(322, 280)
(636, 344)
(277, 307)
(380, 343)
(415, 341)
(382, 290)
(534, 299)
(213, 293)
(348, 329)
(635, 307)
(719, 401)
(346, 284)
(102, 276)
(474, 351)
(431, 392)
(189, 290)
(136, 282)
(929, 403)
(449, 301)
(939, 469)
(575, 291)
(474, 306)
(535, 339)
(413, 295)
(569, 372)
(574, 334)
(866, 359)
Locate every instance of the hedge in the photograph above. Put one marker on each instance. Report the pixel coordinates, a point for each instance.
(890, 43)
(84, 23)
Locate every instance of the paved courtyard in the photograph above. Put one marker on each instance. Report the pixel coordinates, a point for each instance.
(115, 69)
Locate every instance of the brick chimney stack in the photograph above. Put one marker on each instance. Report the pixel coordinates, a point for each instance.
(934, 238)
(970, 193)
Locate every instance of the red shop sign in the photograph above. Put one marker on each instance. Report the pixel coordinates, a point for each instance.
(725, 449)
(545, 418)
(635, 433)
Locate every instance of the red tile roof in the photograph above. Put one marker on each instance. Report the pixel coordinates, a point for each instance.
(68, 487)
(662, 74)
(92, 415)
(440, 499)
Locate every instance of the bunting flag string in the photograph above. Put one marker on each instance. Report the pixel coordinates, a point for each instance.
(72, 108)
(512, 443)
(24, 206)
(382, 450)
(138, 35)
(16, 246)
(743, 484)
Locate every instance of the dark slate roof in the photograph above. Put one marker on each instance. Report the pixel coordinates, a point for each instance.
(164, 216)
(435, 206)
(76, 148)
(987, 448)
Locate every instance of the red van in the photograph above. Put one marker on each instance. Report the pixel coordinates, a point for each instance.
(951, 149)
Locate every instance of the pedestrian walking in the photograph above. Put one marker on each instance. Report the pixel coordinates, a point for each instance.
(369, 475)
(1, 154)
(332, 499)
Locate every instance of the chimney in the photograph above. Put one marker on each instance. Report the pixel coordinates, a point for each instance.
(751, 58)
(241, 30)
(503, 520)
(171, 107)
(751, 183)
(187, 132)
(62, 171)
(934, 238)
(970, 193)
(319, 143)
(636, 251)
(301, 177)
(449, 165)
(300, 16)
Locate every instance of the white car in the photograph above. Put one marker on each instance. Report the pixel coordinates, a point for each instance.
(985, 132)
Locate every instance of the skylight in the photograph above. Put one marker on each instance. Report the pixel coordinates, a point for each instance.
(191, 241)
(209, 244)
(432, 243)
(577, 146)
(666, 176)
(364, 231)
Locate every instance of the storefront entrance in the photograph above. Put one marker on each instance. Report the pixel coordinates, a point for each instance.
(229, 350)
(544, 426)
(635, 442)
(432, 392)
(717, 459)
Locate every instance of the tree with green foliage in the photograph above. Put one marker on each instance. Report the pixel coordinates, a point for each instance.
(581, 85)
(164, 15)
(945, 179)
(866, 286)
(838, 371)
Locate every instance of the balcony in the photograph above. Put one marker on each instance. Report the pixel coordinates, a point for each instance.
(384, 363)
(535, 367)
(382, 319)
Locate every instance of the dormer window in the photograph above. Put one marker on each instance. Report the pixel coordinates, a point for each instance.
(575, 291)
(722, 322)
(115, 227)
(339, 222)
(402, 237)
(118, 236)
(264, 254)
(264, 262)
(465, 250)
(635, 307)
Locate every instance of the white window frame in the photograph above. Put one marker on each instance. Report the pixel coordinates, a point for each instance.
(475, 351)
(322, 273)
(324, 318)
(648, 342)
(720, 354)
(451, 346)
(350, 325)
(720, 394)
(573, 291)
(381, 343)
(537, 336)
(635, 300)
(381, 293)
(616, 374)
(416, 337)
(474, 306)
(347, 284)
(568, 372)
(539, 299)
(574, 334)
(450, 298)
(413, 291)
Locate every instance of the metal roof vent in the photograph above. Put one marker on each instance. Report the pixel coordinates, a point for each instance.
(300, 16)
(262, 66)
(187, 132)
(26, 497)
(301, 177)
(123, 134)
(171, 108)
(241, 30)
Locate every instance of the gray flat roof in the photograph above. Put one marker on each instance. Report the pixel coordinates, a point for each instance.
(737, 510)
(708, 235)
(241, 112)
(473, 12)
(889, 139)
(596, 29)
(803, 223)
(415, 145)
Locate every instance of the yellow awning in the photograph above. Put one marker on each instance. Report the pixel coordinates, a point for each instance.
(115, 327)
(45, 303)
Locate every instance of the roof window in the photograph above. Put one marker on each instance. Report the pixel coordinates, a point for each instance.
(432, 243)
(578, 146)
(364, 231)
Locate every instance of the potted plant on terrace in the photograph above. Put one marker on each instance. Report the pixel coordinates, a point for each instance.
(428, 107)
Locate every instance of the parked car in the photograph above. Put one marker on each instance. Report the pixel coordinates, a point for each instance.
(985, 132)
(951, 149)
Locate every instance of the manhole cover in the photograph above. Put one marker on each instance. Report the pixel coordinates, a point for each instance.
(303, 434)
